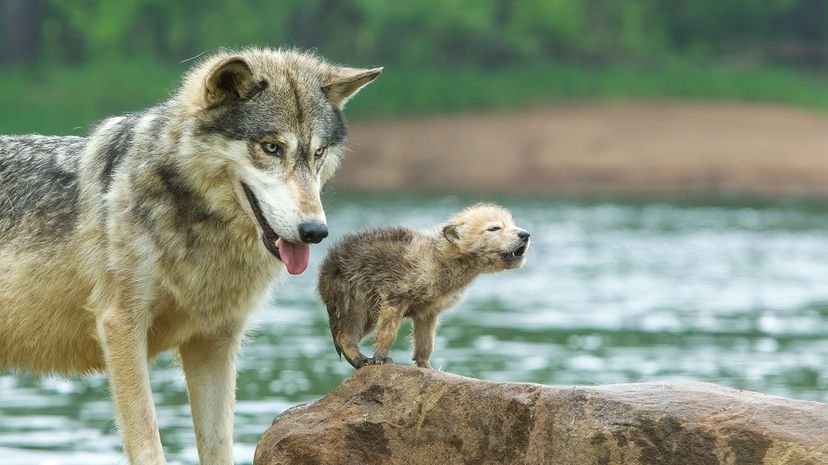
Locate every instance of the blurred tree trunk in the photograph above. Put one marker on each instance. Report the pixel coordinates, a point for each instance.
(20, 22)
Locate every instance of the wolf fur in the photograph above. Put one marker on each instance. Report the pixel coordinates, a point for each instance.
(142, 237)
(374, 279)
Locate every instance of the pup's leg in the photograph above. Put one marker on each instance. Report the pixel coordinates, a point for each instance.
(425, 326)
(348, 327)
(348, 343)
(210, 368)
(388, 323)
(123, 333)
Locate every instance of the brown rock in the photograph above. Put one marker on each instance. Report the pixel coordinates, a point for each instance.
(402, 415)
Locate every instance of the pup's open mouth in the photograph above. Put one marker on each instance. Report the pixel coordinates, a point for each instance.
(294, 256)
(516, 254)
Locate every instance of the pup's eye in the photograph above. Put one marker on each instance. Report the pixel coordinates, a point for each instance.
(493, 228)
(271, 148)
(319, 152)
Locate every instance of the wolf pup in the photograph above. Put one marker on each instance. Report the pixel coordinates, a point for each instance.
(374, 279)
(164, 228)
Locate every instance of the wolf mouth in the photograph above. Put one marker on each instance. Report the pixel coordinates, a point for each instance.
(515, 255)
(293, 256)
(269, 236)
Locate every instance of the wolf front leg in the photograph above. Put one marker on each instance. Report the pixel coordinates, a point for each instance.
(210, 368)
(388, 324)
(123, 332)
(425, 326)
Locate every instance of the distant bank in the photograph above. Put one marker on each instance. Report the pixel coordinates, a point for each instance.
(671, 147)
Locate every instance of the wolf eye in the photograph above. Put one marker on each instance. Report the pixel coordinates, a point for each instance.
(319, 152)
(271, 148)
(493, 228)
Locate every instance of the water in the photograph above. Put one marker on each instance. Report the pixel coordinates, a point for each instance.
(727, 291)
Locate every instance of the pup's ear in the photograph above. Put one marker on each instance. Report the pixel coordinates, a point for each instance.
(346, 82)
(231, 79)
(451, 232)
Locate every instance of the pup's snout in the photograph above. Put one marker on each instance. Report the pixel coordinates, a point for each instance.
(313, 233)
(523, 235)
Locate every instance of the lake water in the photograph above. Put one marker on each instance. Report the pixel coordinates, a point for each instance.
(725, 290)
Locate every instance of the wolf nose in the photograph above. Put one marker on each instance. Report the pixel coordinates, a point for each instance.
(313, 232)
(524, 235)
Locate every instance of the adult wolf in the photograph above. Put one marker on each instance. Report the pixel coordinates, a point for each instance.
(164, 228)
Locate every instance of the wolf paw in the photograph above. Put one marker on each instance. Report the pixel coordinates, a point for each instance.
(380, 360)
(361, 362)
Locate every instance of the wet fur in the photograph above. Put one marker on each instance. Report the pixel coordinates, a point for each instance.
(374, 279)
(136, 239)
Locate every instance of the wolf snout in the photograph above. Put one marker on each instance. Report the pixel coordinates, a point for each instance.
(523, 235)
(313, 233)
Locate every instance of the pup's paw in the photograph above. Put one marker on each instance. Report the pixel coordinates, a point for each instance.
(422, 363)
(380, 360)
(361, 362)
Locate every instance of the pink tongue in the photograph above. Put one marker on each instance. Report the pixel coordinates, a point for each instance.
(294, 256)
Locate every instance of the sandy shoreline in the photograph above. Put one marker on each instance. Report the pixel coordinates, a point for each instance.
(624, 147)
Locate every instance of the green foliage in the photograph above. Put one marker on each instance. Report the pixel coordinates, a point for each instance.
(437, 33)
(76, 61)
(68, 101)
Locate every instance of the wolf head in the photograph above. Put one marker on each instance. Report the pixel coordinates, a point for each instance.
(272, 119)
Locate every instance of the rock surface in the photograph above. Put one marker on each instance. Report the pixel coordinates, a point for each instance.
(402, 415)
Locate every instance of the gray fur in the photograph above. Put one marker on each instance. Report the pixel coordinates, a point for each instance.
(116, 147)
(38, 186)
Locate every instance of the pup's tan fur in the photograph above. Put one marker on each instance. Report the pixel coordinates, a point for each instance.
(141, 237)
(375, 279)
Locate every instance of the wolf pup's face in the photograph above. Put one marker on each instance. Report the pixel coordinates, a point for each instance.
(276, 118)
(487, 234)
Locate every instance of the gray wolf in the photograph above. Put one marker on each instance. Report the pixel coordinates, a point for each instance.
(374, 279)
(163, 229)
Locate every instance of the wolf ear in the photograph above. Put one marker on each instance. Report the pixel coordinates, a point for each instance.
(232, 79)
(451, 233)
(346, 82)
